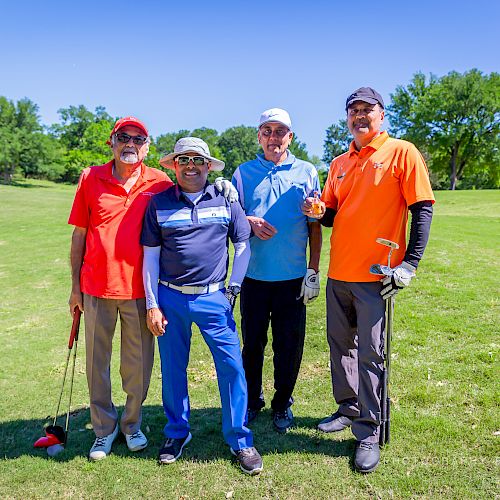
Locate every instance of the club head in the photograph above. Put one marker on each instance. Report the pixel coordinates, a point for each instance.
(54, 434)
(54, 450)
(380, 269)
(387, 243)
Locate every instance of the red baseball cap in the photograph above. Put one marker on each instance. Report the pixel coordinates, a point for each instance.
(129, 120)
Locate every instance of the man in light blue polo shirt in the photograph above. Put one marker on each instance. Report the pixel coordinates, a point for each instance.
(185, 237)
(278, 282)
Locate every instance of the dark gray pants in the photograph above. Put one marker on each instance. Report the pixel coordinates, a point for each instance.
(355, 332)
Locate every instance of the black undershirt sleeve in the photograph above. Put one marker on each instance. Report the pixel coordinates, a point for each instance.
(421, 218)
(327, 219)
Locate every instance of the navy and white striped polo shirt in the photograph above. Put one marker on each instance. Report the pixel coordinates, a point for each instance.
(193, 237)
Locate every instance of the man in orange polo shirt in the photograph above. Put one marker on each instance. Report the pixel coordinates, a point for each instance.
(106, 268)
(367, 195)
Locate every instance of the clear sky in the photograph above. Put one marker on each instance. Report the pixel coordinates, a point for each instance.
(182, 65)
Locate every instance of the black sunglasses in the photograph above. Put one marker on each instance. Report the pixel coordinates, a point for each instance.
(183, 161)
(138, 140)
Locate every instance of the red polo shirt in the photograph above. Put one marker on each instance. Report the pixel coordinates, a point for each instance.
(371, 190)
(112, 265)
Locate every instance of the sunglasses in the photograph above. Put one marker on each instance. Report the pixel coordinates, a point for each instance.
(268, 132)
(183, 161)
(138, 140)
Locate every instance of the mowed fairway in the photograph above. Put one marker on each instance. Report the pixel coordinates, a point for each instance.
(445, 391)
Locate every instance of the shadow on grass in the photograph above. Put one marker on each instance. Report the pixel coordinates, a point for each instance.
(24, 183)
(17, 437)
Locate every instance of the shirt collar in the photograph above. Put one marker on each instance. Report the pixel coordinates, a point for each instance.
(290, 158)
(374, 145)
(107, 173)
(208, 190)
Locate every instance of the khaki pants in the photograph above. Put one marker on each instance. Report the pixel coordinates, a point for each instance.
(136, 361)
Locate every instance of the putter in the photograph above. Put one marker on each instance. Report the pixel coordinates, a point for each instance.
(385, 400)
(55, 436)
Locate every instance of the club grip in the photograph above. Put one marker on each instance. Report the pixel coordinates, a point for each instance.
(75, 327)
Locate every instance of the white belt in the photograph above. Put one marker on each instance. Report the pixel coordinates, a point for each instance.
(194, 290)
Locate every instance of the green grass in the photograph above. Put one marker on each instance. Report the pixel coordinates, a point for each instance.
(445, 416)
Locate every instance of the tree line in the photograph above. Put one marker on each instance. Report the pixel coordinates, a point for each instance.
(454, 121)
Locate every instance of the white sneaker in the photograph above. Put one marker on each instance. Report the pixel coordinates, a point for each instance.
(136, 441)
(102, 446)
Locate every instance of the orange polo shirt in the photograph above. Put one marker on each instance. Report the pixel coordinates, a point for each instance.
(371, 190)
(112, 265)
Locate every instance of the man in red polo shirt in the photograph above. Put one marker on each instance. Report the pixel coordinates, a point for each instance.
(106, 268)
(106, 265)
(369, 191)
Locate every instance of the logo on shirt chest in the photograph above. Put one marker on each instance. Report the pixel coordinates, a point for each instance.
(378, 165)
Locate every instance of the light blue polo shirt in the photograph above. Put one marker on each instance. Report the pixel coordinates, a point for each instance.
(276, 194)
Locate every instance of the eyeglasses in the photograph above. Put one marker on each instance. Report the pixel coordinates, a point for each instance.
(268, 132)
(138, 140)
(183, 161)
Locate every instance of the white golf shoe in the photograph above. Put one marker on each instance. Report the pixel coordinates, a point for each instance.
(136, 441)
(102, 446)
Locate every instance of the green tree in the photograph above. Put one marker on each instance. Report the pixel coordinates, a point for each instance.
(74, 122)
(337, 141)
(299, 149)
(83, 135)
(24, 147)
(455, 122)
(238, 145)
(165, 143)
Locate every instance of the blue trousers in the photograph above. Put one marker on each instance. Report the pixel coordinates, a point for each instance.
(212, 314)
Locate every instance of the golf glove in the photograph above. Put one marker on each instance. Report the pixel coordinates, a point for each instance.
(227, 189)
(399, 279)
(310, 286)
(231, 293)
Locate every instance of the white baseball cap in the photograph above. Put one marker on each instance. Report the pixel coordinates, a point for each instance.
(276, 115)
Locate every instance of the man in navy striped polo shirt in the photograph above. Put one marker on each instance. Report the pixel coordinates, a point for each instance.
(185, 238)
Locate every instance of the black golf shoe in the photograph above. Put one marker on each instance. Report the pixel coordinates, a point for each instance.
(335, 423)
(172, 449)
(283, 420)
(252, 414)
(366, 456)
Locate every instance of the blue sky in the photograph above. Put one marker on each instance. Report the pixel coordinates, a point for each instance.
(182, 65)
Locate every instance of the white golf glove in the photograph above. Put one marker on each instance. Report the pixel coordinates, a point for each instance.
(310, 286)
(400, 278)
(227, 189)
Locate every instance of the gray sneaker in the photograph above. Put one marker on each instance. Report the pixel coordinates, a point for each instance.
(172, 449)
(335, 423)
(250, 460)
(283, 420)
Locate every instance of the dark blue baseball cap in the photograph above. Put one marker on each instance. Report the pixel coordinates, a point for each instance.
(365, 94)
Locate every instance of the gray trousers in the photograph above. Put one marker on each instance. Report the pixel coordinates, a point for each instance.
(136, 361)
(355, 331)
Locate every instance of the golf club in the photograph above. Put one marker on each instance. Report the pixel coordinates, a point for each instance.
(385, 400)
(55, 436)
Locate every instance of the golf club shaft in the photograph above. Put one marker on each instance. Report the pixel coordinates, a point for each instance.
(73, 334)
(71, 388)
(62, 387)
(385, 399)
